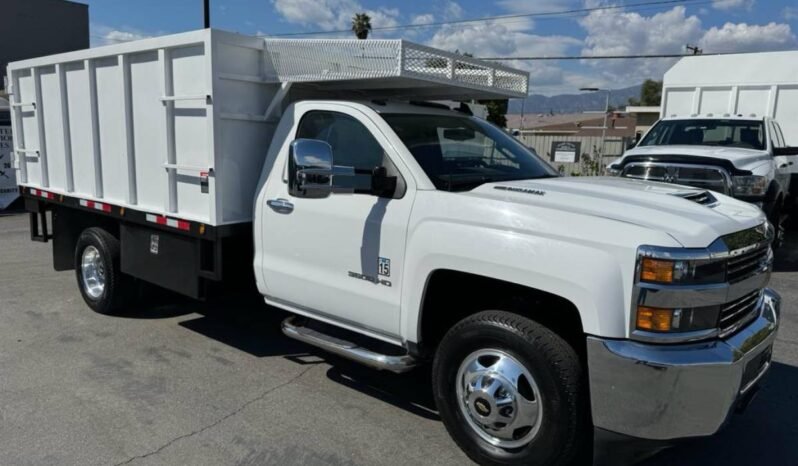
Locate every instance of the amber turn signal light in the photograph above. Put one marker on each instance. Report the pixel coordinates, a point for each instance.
(656, 270)
(654, 319)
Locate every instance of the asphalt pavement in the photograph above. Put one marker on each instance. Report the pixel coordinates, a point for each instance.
(178, 382)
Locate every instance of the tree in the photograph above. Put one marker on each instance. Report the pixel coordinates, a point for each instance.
(497, 109)
(650, 94)
(361, 25)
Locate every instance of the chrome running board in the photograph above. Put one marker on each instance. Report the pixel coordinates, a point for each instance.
(398, 364)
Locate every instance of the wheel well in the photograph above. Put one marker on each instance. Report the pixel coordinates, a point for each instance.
(451, 296)
(68, 224)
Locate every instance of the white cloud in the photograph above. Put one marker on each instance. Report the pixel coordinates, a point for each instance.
(790, 13)
(106, 35)
(493, 38)
(452, 10)
(537, 6)
(732, 4)
(744, 37)
(611, 33)
(423, 19)
(332, 14)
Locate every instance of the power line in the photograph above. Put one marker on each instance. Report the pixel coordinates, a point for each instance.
(549, 14)
(575, 11)
(614, 57)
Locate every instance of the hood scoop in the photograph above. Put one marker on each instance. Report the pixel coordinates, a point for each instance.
(699, 197)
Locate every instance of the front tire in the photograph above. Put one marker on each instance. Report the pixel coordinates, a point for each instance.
(510, 391)
(101, 284)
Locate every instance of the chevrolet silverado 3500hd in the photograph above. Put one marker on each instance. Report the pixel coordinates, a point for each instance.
(548, 306)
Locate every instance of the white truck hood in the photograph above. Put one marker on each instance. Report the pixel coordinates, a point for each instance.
(652, 205)
(744, 159)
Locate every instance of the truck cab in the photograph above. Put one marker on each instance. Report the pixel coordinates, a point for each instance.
(741, 156)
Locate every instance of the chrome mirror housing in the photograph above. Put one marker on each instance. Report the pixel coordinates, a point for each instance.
(311, 171)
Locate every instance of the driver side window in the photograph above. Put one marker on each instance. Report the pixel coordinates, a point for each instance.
(352, 144)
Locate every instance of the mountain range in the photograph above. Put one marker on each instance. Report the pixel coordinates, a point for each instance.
(573, 103)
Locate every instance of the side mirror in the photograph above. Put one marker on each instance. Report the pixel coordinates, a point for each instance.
(311, 172)
(785, 151)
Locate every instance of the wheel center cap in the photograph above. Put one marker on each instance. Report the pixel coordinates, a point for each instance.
(482, 406)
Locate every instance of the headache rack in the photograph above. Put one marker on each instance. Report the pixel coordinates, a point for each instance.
(389, 69)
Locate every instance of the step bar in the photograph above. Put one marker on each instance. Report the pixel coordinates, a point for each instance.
(397, 364)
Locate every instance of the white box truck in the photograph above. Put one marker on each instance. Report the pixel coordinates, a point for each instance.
(729, 124)
(398, 231)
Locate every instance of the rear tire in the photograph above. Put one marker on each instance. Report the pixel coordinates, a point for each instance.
(102, 285)
(502, 427)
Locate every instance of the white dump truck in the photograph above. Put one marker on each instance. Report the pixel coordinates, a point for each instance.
(397, 232)
(729, 124)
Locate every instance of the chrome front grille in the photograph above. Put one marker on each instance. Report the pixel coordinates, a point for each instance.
(738, 313)
(743, 266)
(700, 176)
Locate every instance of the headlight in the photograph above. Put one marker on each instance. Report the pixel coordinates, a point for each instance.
(752, 185)
(613, 170)
(681, 272)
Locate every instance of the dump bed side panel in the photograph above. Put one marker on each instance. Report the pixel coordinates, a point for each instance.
(130, 125)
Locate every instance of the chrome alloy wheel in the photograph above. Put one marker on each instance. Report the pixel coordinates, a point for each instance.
(499, 398)
(92, 272)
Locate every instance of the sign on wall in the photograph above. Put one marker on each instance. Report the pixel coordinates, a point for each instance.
(8, 179)
(565, 151)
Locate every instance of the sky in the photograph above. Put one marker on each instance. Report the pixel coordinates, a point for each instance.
(713, 25)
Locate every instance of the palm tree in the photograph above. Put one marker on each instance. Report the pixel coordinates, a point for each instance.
(361, 25)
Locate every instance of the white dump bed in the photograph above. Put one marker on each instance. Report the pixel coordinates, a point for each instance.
(179, 125)
(762, 84)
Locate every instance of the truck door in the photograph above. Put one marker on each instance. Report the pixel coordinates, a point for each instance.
(340, 257)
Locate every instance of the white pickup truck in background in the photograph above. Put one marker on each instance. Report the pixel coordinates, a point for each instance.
(399, 232)
(740, 156)
(729, 124)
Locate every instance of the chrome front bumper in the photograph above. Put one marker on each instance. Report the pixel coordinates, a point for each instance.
(664, 392)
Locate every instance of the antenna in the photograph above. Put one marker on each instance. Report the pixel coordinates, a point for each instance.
(694, 49)
(206, 13)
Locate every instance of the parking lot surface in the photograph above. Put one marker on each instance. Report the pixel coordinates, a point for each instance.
(186, 383)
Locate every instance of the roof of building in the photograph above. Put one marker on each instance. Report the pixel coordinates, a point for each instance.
(618, 125)
(531, 121)
(643, 109)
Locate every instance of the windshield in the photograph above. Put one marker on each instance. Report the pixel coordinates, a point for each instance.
(748, 134)
(461, 153)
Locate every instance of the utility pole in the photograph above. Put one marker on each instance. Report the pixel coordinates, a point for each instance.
(603, 127)
(207, 13)
(694, 49)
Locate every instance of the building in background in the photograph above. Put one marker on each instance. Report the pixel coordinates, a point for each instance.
(34, 28)
(645, 117)
(572, 142)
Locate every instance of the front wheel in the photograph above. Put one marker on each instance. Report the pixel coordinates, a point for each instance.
(510, 391)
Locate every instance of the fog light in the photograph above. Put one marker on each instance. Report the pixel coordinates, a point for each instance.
(654, 319)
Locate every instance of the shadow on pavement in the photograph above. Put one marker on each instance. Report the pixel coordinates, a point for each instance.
(766, 433)
(786, 257)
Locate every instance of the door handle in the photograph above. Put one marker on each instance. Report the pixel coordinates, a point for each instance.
(283, 206)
